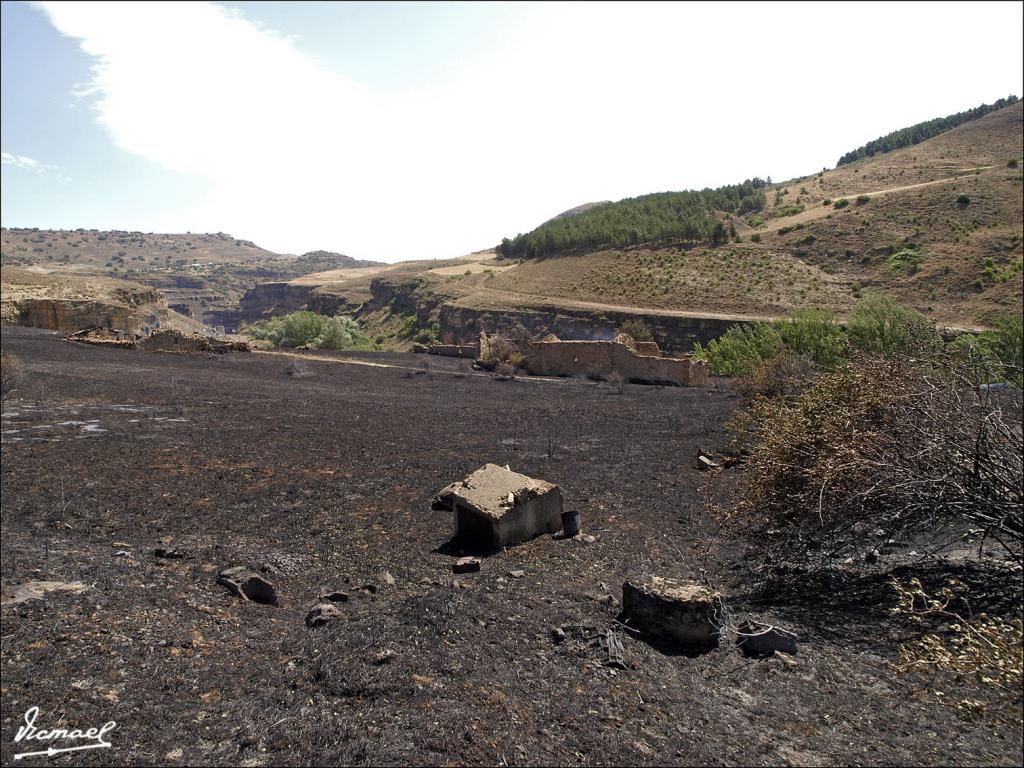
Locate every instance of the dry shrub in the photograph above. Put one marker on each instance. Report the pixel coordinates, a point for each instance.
(502, 351)
(784, 375)
(10, 372)
(505, 372)
(982, 651)
(877, 450)
(617, 381)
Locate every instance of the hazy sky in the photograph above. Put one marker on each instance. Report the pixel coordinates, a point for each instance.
(395, 131)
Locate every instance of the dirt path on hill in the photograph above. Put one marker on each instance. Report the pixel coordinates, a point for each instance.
(821, 211)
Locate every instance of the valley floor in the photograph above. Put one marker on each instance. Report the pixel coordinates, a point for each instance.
(321, 474)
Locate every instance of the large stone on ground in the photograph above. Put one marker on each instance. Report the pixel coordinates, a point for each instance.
(757, 639)
(495, 507)
(321, 614)
(248, 585)
(682, 613)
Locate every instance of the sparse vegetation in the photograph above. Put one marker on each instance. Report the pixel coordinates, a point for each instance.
(841, 203)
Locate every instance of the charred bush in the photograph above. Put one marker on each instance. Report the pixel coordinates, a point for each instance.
(878, 450)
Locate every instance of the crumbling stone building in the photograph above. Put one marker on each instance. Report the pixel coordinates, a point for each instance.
(640, 361)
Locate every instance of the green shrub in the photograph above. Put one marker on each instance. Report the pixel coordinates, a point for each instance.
(907, 258)
(882, 326)
(827, 202)
(1011, 163)
(755, 238)
(999, 352)
(863, 199)
(963, 201)
(305, 328)
(741, 349)
(841, 203)
(815, 335)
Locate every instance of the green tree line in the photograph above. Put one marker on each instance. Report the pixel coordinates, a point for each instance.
(915, 134)
(687, 217)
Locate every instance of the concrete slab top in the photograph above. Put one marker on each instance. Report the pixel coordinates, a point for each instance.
(669, 589)
(494, 491)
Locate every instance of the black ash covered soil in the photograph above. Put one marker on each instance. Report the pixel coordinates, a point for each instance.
(320, 476)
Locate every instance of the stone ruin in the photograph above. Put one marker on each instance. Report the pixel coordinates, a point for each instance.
(495, 507)
(637, 361)
(164, 340)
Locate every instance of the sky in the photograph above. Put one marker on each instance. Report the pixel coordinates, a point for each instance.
(395, 131)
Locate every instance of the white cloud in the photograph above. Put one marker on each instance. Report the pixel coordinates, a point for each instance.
(18, 161)
(571, 103)
(28, 164)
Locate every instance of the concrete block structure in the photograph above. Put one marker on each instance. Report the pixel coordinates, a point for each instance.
(634, 361)
(681, 613)
(495, 507)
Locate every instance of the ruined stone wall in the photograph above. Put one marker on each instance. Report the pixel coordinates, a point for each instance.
(599, 359)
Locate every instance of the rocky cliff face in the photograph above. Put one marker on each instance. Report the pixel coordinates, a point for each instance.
(462, 325)
(69, 315)
(267, 300)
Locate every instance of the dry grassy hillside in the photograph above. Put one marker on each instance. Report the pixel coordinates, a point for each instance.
(915, 236)
(115, 251)
(938, 225)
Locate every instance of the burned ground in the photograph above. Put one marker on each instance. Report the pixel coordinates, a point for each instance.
(321, 476)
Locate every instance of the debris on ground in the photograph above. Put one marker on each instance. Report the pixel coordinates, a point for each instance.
(495, 507)
(705, 463)
(321, 614)
(169, 553)
(466, 565)
(171, 340)
(686, 613)
(758, 639)
(248, 585)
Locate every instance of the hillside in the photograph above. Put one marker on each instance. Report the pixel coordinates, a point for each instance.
(202, 276)
(941, 228)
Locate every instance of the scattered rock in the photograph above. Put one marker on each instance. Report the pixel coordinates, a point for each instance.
(704, 463)
(169, 553)
(683, 613)
(37, 590)
(557, 635)
(757, 639)
(248, 585)
(466, 565)
(871, 557)
(321, 614)
(517, 574)
(388, 578)
(383, 657)
(367, 589)
(334, 597)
